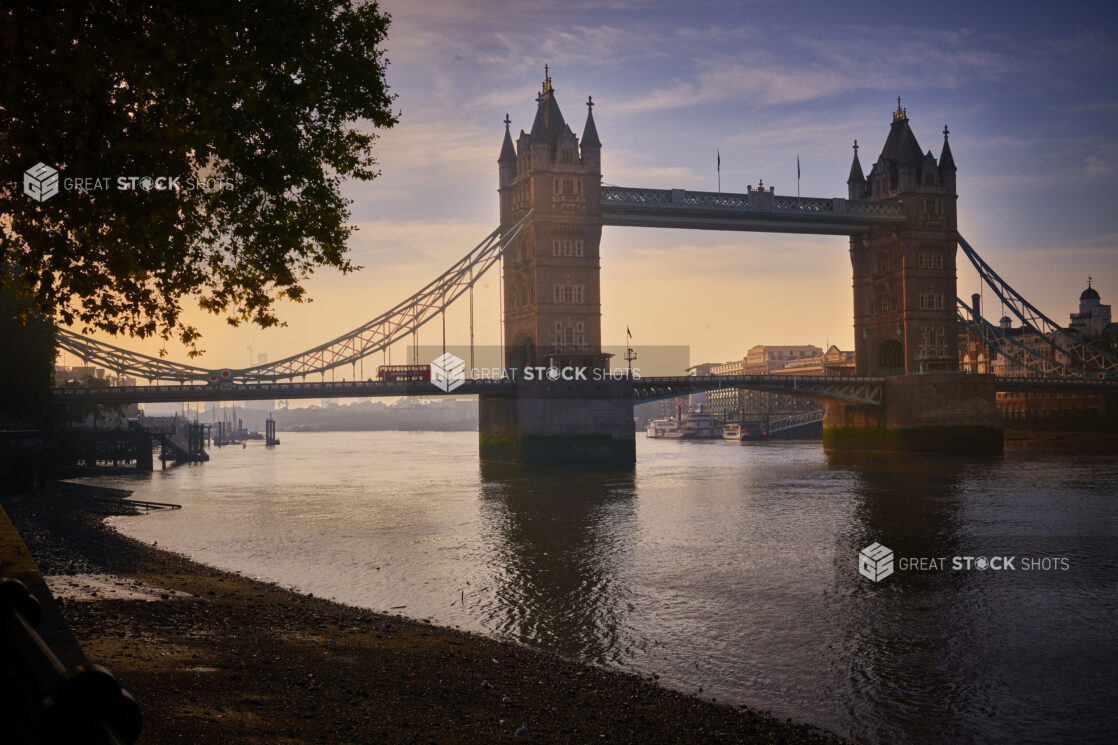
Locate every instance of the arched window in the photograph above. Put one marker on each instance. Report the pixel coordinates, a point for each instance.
(890, 358)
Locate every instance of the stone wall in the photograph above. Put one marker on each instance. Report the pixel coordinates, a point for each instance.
(558, 423)
(945, 412)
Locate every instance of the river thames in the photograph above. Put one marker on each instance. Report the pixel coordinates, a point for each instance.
(724, 569)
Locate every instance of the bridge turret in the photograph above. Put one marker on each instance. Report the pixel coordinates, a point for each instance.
(506, 168)
(591, 160)
(591, 145)
(507, 159)
(947, 165)
(856, 182)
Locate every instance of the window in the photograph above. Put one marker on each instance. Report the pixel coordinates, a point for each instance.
(569, 186)
(932, 342)
(931, 301)
(567, 293)
(567, 247)
(930, 260)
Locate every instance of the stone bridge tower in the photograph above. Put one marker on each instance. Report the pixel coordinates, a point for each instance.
(552, 304)
(904, 279)
(552, 299)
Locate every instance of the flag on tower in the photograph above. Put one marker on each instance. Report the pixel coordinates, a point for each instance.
(719, 168)
(797, 174)
(628, 333)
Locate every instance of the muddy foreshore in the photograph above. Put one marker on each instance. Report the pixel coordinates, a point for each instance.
(213, 657)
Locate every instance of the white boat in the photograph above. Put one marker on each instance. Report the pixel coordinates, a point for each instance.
(664, 429)
(697, 425)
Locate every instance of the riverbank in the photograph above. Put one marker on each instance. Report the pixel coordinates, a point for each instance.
(214, 657)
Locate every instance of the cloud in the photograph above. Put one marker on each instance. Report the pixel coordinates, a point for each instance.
(420, 248)
(1101, 163)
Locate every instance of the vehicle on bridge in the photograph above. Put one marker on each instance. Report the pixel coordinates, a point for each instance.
(404, 372)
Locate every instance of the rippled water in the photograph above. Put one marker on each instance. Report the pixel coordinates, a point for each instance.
(715, 565)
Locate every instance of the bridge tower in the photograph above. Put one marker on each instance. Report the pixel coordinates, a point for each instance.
(905, 316)
(552, 304)
(904, 279)
(552, 299)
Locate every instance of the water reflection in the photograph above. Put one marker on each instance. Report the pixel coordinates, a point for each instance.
(733, 568)
(559, 539)
(910, 639)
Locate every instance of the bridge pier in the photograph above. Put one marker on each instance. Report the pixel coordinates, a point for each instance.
(941, 412)
(589, 423)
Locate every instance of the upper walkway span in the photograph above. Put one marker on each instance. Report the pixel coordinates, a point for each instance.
(756, 211)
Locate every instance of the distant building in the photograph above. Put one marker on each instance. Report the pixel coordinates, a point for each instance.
(697, 400)
(1093, 317)
(1029, 349)
(808, 359)
(78, 373)
(834, 361)
(764, 360)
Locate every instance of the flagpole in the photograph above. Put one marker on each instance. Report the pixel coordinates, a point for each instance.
(630, 355)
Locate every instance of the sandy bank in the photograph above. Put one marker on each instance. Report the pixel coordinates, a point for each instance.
(213, 657)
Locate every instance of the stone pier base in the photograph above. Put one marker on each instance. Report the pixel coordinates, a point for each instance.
(943, 412)
(558, 423)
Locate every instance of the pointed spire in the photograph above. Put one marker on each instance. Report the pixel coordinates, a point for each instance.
(538, 132)
(590, 132)
(508, 151)
(548, 124)
(945, 159)
(900, 114)
(856, 175)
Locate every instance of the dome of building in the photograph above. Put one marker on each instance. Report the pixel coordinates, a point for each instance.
(1089, 294)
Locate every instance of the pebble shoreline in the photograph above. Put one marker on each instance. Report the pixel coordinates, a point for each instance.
(220, 658)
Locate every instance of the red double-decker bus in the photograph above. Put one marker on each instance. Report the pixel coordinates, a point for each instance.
(404, 372)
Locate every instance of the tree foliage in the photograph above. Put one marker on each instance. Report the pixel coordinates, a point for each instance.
(27, 352)
(279, 99)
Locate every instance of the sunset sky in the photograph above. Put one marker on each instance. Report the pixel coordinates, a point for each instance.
(1029, 93)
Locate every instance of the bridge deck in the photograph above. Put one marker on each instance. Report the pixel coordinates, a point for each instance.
(851, 389)
(754, 211)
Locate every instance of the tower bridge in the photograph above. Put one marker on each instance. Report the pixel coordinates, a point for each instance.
(900, 225)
